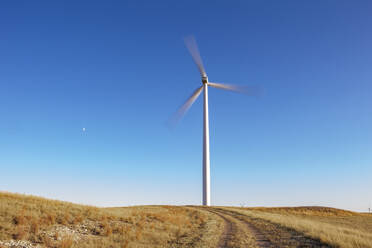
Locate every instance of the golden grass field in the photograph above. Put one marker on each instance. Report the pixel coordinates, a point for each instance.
(28, 221)
(338, 228)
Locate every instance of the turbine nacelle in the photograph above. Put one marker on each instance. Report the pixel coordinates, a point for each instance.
(205, 79)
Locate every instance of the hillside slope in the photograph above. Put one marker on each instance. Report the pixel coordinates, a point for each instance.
(28, 221)
(40, 222)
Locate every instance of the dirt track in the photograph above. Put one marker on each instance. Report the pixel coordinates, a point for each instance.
(245, 231)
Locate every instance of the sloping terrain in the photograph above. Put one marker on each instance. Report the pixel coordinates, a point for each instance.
(28, 221)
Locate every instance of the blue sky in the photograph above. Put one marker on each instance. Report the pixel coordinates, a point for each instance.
(120, 69)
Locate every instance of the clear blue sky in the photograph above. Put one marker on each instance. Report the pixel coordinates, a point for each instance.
(120, 69)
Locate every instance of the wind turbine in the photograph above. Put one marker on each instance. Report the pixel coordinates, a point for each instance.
(194, 51)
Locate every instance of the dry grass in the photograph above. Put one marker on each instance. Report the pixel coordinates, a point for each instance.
(61, 224)
(66, 242)
(336, 227)
(308, 211)
(58, 224)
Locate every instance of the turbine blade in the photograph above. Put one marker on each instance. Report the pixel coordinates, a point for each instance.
(183, 109)
(248, 90)
(191, 45)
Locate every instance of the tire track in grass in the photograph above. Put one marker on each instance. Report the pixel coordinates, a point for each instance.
(228, 233)
(235, 232)
(269, 234)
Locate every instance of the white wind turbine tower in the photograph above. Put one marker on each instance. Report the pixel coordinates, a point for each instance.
(193, 49)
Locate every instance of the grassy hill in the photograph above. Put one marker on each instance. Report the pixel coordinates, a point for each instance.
(28, 221)
(51, 223)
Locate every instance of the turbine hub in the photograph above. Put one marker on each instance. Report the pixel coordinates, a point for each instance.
(205, 79)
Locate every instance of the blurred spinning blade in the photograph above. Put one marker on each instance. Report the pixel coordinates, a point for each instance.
(191, 45)
(247, 90)
(183, 109)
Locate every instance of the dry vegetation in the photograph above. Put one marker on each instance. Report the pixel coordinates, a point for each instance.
(28, 221)
(335, 227)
